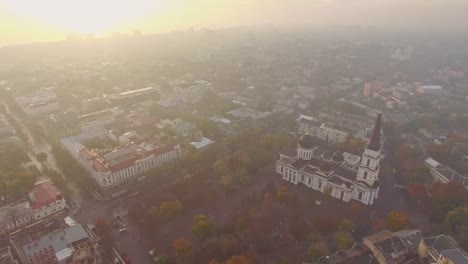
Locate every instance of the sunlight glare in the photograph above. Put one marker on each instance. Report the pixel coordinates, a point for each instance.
(84, 16)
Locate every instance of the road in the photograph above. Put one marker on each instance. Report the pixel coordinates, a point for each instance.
(131, 242)
(45, 147)
(392, 198)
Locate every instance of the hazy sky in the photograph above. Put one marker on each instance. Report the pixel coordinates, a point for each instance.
(37, 20)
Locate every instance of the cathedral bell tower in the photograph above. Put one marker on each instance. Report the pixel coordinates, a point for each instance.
(368, 171)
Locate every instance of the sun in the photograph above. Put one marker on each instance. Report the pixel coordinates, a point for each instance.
(83, 16)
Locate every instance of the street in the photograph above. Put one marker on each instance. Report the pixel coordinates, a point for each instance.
(45, 147)
(130, 242)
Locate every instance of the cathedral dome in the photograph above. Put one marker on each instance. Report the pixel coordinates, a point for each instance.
(338, 156)
(306, 141)
(325, 166)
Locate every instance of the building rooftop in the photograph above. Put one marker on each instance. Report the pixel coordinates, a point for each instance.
(44, 193)
(60, 240)
(450, 174)
(124, 157)
(16, 208)
(203, 142)
(447, 246)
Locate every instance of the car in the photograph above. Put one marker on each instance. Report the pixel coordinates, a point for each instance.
(153, 255)
(122, 230)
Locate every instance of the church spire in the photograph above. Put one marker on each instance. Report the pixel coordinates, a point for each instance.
(374, 143)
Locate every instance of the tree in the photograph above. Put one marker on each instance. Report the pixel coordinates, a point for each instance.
(268, 200)
(181, 247)
(203, 227)
(457, 218)
(343, 240)
(41, 157)
(347, 225)
(239, 259)
(397, 220)
(106, 238)
(282, 193)
(94, 143)
(355, 207)
(378, 224)
(447, 196)
(318, 250)
(219, 167)
(326, 224)
(170, 209)
(417, 192)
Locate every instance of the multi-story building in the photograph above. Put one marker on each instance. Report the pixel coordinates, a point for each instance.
(445, 174)
(37, 244)
(15, 215)
(193, 93)
(46, 199)
(350, 121)
(62, 125)
(336, 177)
(93, 124)
(430, 89)
(114, 169)
(39, 104)
(394, 248)
(441, 249)
(323, 131)
(134, 95)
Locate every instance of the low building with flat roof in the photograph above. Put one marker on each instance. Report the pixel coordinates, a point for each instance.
(445, 174)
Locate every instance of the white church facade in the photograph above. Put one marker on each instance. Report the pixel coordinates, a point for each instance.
(345, 176)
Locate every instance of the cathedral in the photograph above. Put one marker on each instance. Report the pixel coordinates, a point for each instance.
(344, 176)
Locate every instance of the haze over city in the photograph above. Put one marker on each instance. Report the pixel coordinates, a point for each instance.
(234, 132)
(23, 21)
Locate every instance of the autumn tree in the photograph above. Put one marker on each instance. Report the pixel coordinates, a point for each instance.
(203, 227)
(220, 167)
(239, 259)
(354, 207)
(326, 224)
(343, 240)
(268, 200)
(318, 250)
(378, 224)
(417, 192)
(170, 209)
(397, 220)
(347, 225)
(282, 194)
(457, 218)
(446, 197)
(181, 248)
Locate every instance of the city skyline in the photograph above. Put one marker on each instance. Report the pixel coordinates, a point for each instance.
(26, 21)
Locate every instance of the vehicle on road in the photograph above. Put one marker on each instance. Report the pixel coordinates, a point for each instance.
(122, 230)
(154, 255)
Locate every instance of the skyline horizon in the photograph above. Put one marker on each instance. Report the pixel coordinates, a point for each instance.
(27, 21)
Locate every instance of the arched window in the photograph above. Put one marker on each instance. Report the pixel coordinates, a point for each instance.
(365, 175)
(368, 162)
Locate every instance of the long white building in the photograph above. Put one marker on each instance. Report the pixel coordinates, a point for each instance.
(323, 131)
(114, 169)
(338, 176)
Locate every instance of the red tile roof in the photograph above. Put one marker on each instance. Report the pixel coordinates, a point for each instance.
(44, 193)
(130, 162)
